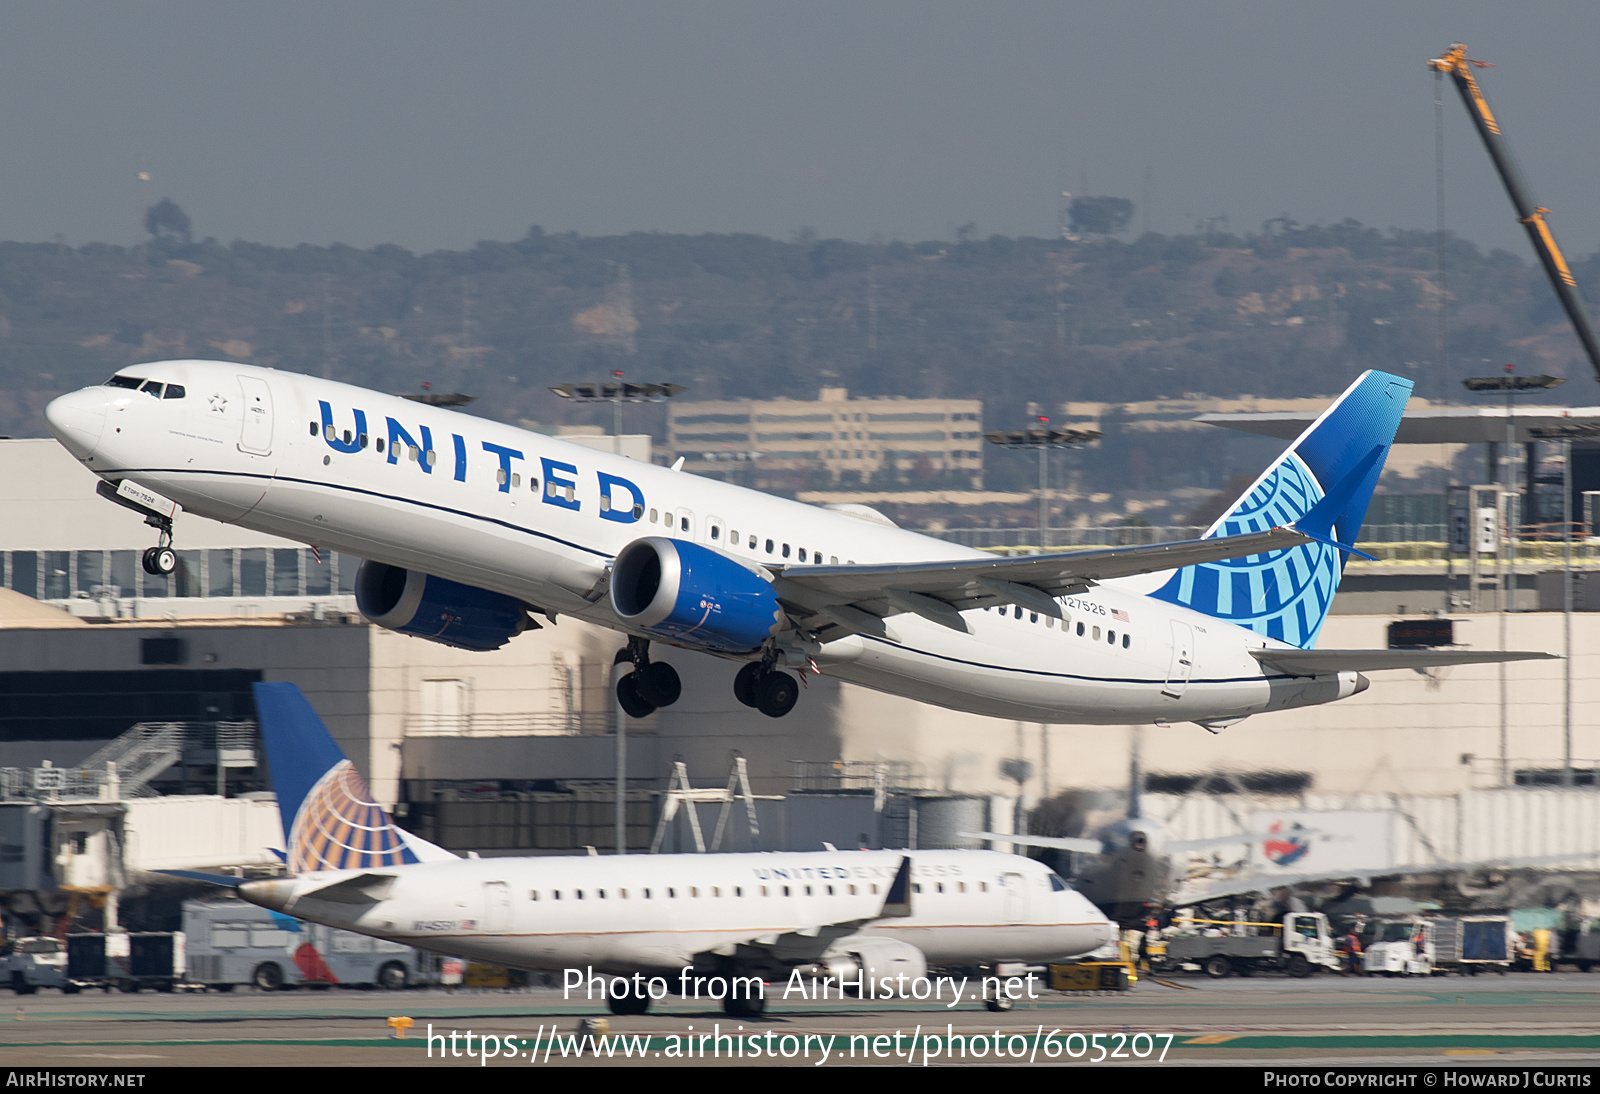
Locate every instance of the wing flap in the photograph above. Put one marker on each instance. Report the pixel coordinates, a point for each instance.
(1030, 581)
(362, 889)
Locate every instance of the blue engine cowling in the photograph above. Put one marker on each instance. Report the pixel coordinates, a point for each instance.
(441, 611)
(692, 595)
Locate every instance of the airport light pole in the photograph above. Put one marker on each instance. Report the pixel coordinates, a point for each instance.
(617, 391)
(1043, 438)
(1566, 434)
(1510, 383)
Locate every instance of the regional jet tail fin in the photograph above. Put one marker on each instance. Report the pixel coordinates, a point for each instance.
(330, 820)
(1326, 662)
(1338, 459)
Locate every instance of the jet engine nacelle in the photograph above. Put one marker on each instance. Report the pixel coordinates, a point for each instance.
(441, 611)
(855, 961)
(689, 594)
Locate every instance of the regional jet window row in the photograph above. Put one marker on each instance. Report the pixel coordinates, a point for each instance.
(715, 891)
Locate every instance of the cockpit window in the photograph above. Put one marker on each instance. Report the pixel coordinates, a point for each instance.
(125, 381)
(1057, 885)
(174, 391)
(152, 388)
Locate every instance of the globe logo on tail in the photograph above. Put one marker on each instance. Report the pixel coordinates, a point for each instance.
(340, 827)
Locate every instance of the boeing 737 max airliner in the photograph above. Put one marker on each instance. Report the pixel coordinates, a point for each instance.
(470, 529)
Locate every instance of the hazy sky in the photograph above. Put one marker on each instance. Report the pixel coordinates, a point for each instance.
(436, 125)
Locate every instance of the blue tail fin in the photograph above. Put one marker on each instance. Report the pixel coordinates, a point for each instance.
(1286, 594)
(330, 820)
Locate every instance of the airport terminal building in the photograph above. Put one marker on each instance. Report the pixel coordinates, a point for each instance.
(517, 750)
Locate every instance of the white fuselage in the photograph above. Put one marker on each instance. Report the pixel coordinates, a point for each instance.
(522, 514)
(654, 913)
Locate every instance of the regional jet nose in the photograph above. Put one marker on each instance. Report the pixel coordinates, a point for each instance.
(77, 420)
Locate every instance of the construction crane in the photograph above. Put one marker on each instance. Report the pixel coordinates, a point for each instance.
(1459, 66)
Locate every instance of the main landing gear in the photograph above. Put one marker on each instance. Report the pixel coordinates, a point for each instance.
(771, 692)
(651, 684)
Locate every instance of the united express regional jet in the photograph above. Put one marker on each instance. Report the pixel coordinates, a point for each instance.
(704, 926)
(471, 528)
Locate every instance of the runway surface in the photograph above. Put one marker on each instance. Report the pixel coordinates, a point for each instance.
(1521, 1019)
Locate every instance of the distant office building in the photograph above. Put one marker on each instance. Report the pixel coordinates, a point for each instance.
(787, 443)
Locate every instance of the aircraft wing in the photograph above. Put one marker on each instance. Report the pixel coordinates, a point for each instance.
(1057, 843)
(1096, 847)
(1322, 662)
(1182, 845)
(806, 946)
(856, 599)
(1261, 883)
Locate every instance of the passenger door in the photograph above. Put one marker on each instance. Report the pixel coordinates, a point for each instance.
(255, 434)
(1182, 663)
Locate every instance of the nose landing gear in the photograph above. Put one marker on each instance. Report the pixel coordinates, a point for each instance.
(650, 685)
(160, 559)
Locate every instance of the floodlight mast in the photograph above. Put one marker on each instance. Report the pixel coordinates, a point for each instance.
(1531, 216)
(1043, 439)
(616, 391)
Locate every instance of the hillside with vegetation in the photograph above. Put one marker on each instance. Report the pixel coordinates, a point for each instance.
(1290, 311)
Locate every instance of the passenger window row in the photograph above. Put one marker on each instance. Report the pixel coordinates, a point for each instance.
(1092, 631)
(754, 543)
(693, 891)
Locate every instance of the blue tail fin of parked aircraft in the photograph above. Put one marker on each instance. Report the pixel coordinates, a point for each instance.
(330, 820)
(1286, 594)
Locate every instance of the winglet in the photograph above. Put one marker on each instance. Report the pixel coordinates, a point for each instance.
(898, 903)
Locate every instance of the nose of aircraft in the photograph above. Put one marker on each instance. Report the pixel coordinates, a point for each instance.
(77, 420)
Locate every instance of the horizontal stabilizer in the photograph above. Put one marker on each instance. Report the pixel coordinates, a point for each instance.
(1327, 662)
(227, 880)
(361, 889)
